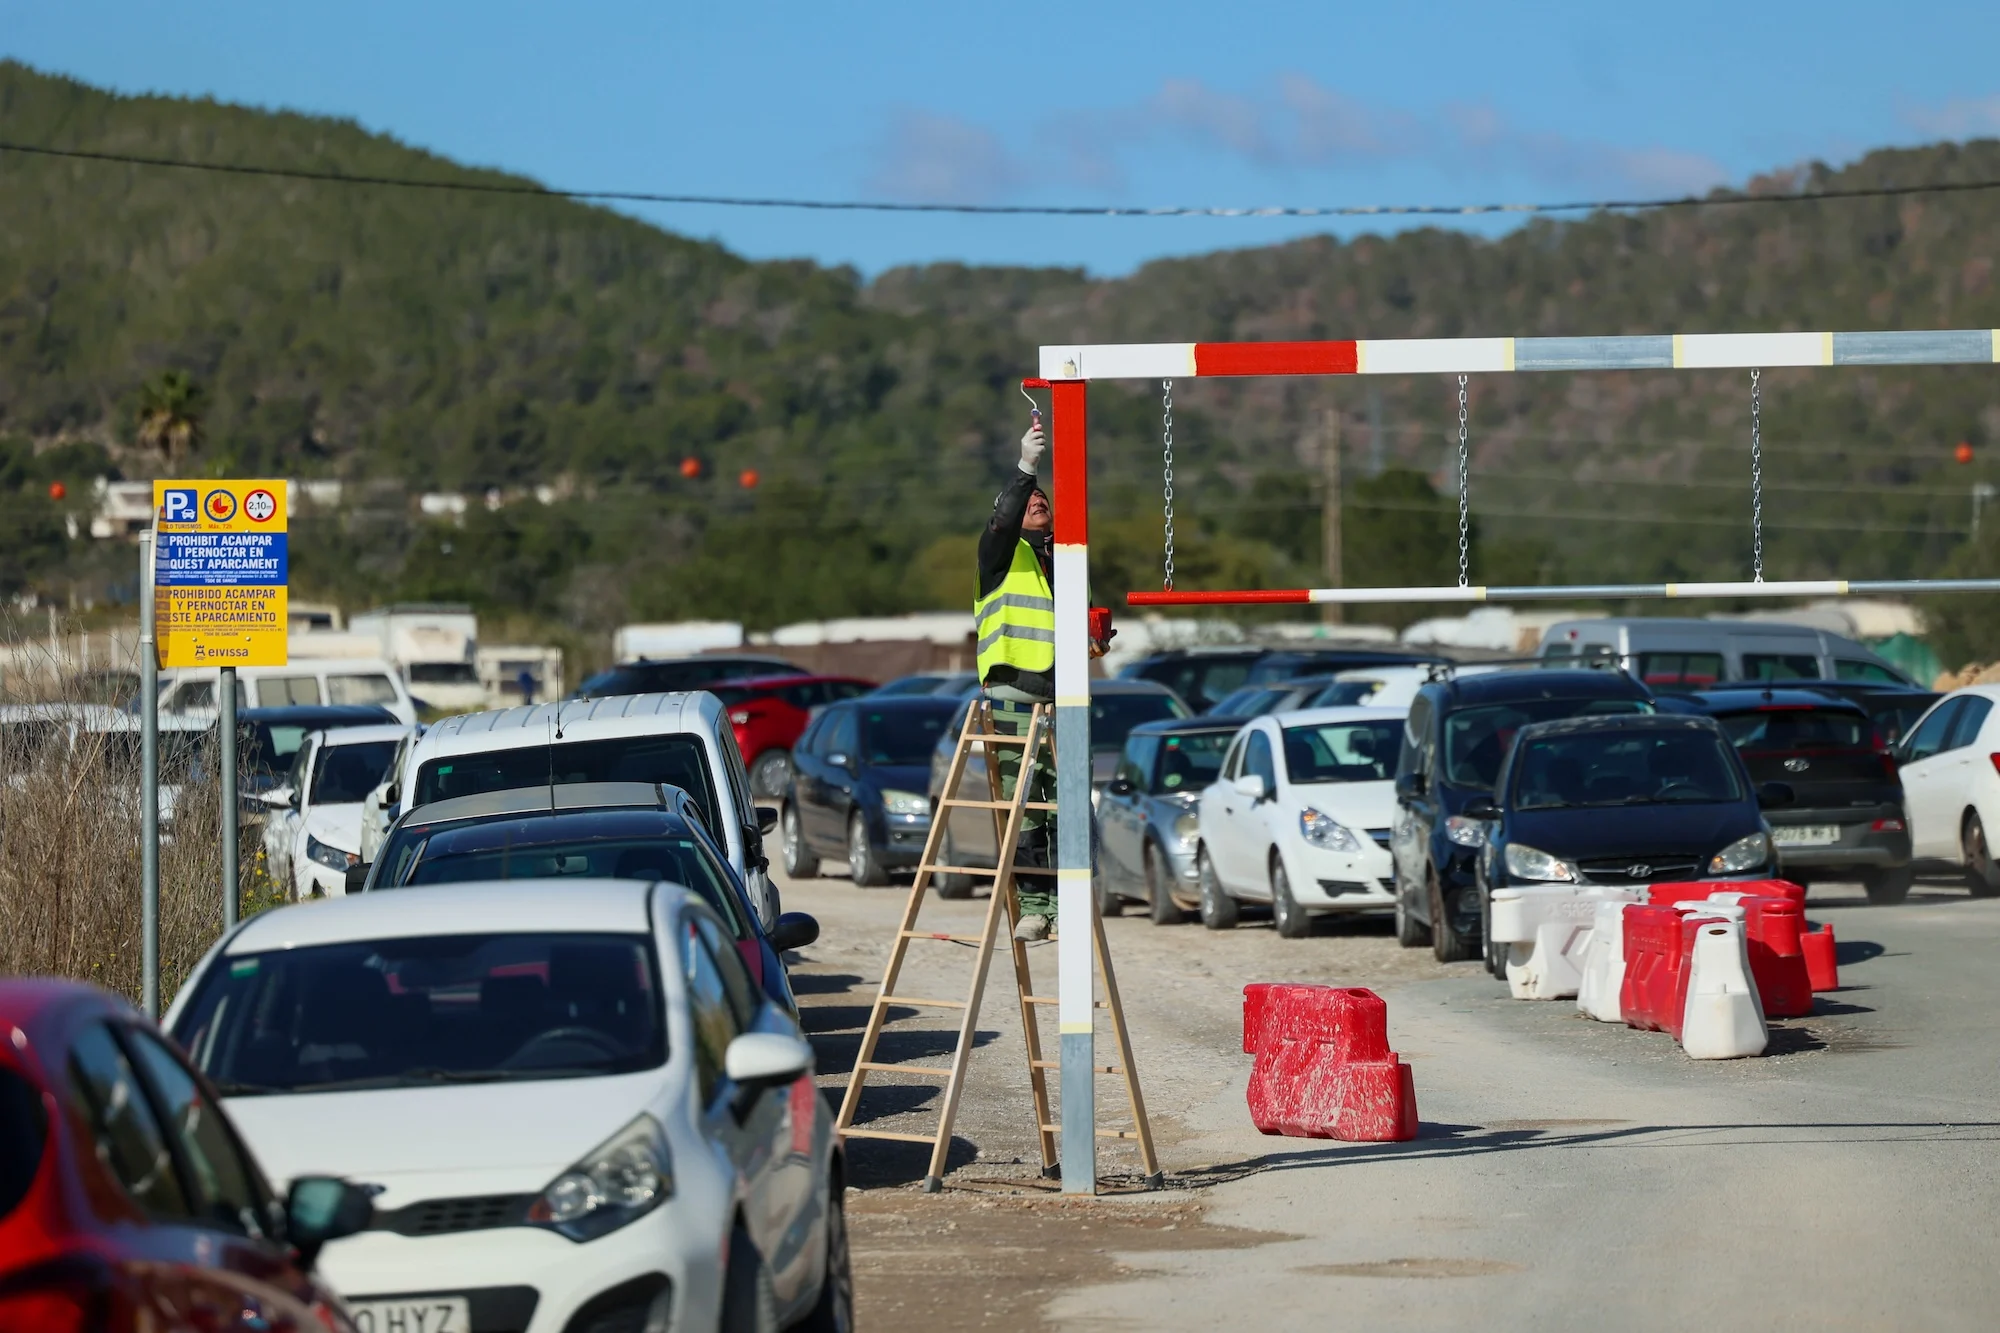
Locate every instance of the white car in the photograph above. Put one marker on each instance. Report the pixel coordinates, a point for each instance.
(1300, 818)
(313, 836)
(575, 1106)
(1389, 686)
(1951, 784)
(305, 681)
(378, 808)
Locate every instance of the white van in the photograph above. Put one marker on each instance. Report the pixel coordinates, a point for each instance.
(684, 740)
(327, 680)
(1682, 653)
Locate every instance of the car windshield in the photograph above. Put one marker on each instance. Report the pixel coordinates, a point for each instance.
(1343, 751)
(892, 736)
(1189, 763)
(678, 760)
(1797, 729)
(1656, 766)
(1112, 716)
(1347, 693)
(434, 1009)
(347, 773)
(1476, 739)
(268, 747)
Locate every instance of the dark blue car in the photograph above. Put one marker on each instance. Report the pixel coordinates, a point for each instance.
(858, 786)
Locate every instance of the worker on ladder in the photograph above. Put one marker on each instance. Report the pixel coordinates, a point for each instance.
(1015, 621)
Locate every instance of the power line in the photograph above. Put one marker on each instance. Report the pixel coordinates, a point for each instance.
(998, 210)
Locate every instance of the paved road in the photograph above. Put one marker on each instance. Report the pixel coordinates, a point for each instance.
(1569, 1174)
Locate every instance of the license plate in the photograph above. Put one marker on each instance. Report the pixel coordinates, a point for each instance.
(427, 1314)
(1806, 835)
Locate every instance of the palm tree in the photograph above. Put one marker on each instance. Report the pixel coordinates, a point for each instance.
(170, 406)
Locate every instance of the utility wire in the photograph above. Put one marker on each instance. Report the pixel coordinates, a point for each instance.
(999, 210)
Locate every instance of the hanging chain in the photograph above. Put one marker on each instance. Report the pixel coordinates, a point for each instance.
(1756, 480)
(1167, 455)
(1464, 544)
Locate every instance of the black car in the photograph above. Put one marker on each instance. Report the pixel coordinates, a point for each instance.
(1624, 800)
(1202, 676)
(669, 675)
(1846, 817)
(1147, 828)
(1454, 742)
(1278, 697)
(857, 788)
(1894, 709)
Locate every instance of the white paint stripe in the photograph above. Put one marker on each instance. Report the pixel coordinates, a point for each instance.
(1794, 588)
(1072, 580)
(1118, 361)
(1352, 595)
(1413, 356)
(1722, 351)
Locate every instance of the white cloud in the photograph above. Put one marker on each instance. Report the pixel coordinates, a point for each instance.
(928, 158)
(1959, 118)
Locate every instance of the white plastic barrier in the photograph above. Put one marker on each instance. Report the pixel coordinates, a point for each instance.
(1547, 928)
(1604, 965)
(1724, 1018)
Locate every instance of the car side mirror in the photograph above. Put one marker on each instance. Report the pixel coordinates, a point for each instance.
(357, 877)
(794, 930)
(277, 798)
(1120, 786)
(1410, 784)
(767, 818)
(1251, 785)
(756, 1062)
(1482, 807)
(1774, 795)
(323, 1208)
(393, 795)
(840, 759)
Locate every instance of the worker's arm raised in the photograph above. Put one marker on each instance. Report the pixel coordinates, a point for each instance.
(1003, 530)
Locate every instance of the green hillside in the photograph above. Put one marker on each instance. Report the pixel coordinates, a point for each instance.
(404, 340)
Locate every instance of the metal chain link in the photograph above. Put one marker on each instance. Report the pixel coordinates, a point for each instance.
(1756, 480)
(1167, 454)
(1464, 522)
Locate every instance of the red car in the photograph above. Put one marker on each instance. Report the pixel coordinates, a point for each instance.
(769, 714)
(127, 1201)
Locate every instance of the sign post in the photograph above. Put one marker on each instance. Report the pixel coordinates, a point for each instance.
(149, 787)
(220, 593)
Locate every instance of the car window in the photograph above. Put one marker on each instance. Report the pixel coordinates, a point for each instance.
(1258, 762)
(277, 691)
(712, 1007)
(842, 739)
(1972, 711)
(678, 759)
(125, 1133)
(1929, 738)
(1342, 751)
(1690, 671)
(837, 690)
(899, 735)
(1476, 739)
(1190, 762)
(1895, 714)
(1211, 680)
(24, 1135)
(223, 1181)
(1136, 764)
(1232, 766)
(810, 742)
(369, 689)
(1780, 666)
(345, 774)
(1415, 754)
(295, 776)
(720, 881)
(1610, 768)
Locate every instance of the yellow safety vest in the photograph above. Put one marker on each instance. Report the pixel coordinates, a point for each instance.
(1016, 622)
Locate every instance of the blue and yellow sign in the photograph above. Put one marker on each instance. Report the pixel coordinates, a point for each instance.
(220, 573)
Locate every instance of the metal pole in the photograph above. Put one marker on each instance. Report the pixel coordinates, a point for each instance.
(227, 723)
(1329, 512)
(149, 787)
(1573, 592)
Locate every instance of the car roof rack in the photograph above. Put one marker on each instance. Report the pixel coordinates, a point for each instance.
(546, 799)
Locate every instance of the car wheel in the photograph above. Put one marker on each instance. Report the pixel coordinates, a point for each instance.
(1448, 944)
(862, 863)
(834, 1311)
(1982, 877)
(749, 1305)
(1218, 909)
(1163, 909)
(949, 885)
(1292, 921)
(770, 774)
(1108, 902)
(1885, 887)
(1410, 932)
(800, 863)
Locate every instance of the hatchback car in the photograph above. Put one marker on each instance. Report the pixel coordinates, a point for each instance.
(127, 1200)
(576, 1106)
(857, 786)
(314, 833)
(1951, 785)
(770, 713)
(1147, 826)
(1202, 676)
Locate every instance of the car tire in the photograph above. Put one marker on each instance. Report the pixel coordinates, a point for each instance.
(1887, 887)
(833, 1312)
(749, 1305)
(1982, 877)
(1410, 932)
(862, 864)
(771, 773)
(1448, 945)
(949, 885)
(1108, 902)
(1218, 909)
(1293, 921)
(1159, 900)
(800, 862)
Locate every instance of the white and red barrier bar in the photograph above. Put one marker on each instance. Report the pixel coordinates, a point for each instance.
(1414, 356)
(1573, 592)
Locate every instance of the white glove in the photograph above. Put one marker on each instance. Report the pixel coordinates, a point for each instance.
(1033, 446)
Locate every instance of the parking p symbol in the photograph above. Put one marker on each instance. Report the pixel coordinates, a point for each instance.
(178, 506)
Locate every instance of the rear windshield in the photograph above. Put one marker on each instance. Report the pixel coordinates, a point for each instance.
(1476, 739)
(1343, 751)
(679, 760)
(1191, 762)
(1603, 768)
(347, 773)
(1112, 716)
(1797, 729)
(905, 736)
(414, 1012)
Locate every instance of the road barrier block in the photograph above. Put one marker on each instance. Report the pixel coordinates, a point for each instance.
(1773, 927)
(1604, 965)
(1324, 1068)
(1822, 967)
(1666, 895)
(1723, 1018)
(1547, 928)
(1652, 943)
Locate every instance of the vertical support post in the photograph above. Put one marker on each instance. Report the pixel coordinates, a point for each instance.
(226, 761)
(149, 786)
(1076, 906)
(1329, 513)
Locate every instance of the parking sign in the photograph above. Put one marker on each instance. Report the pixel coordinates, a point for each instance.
(221, 573)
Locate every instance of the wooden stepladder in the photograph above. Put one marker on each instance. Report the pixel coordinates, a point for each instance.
(1003, 912)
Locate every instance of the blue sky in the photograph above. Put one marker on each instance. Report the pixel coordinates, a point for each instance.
(1159, 103)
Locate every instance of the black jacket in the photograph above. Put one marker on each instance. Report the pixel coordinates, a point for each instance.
(996, 557)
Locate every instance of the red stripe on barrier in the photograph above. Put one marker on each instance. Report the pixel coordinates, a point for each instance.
(1070, 445)
(1238, 597)
(1320, 358)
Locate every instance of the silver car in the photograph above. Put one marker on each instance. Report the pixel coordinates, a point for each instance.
(1146, 817)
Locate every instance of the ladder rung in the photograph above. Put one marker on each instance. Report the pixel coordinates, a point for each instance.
(995, 738)
(933, 935)
(887, 1134)
(956, 803)
(987, 871)
(928, 1071)
(1050, 999)
(884, 1001)
(1102, 1133)
(1057, 1064)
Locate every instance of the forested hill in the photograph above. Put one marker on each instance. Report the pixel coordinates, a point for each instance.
(406, 339)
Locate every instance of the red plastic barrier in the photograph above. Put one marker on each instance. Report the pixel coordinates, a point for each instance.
(1821, 966)
(1694, 890)
(1324, 1068)
(1774, 928)
(1652, 958)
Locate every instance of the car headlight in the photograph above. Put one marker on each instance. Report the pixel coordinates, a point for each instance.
(1465, 832)
(905, 803)
(619, 1181)
(1187, 827)
(1533, 863)
(330, 857)
(1743, 854)
(1323, 830)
